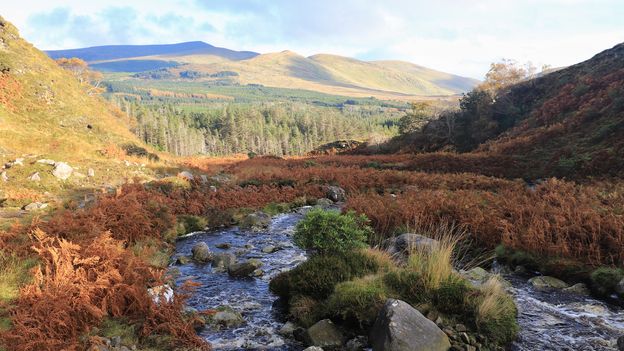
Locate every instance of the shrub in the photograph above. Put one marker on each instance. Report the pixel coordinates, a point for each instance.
(495, 312)
(280, 284)
(450, 297)
(605, 279)
(330, 232)
(406, 285)
(306, 310)
(317, 276)
(358, 301)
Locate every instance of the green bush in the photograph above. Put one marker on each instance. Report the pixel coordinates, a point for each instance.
(406, 285)
(450, 297)
(330, 232)
(605, 279)
(358, 302)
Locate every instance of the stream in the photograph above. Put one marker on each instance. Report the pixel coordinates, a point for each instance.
(548, 320)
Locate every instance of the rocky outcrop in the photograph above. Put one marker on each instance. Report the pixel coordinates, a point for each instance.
(401, 245)
(201, 253)
(547, 283)
(336, 194)
(244, 269)
(228, 318)
(324, 334)
(400, 327)
(62, 170)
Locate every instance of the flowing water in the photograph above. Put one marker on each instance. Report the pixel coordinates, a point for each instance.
(548, 320)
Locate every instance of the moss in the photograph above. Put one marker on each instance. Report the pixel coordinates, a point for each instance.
(605, 279)
(317, 276)
(189, 223)
(280, 284)
(112, 327)
(276, 208)
(406, 285)
(358, 302)
(450, 297)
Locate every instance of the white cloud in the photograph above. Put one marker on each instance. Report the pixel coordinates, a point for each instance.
(459, 36)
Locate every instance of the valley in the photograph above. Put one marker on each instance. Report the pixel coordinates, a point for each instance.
(193, 197)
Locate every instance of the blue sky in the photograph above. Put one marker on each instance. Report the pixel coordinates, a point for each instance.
(458, 36)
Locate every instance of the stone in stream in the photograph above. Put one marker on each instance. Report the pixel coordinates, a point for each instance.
(313, 348)
(287, 329)
(256, 221)
(228, 318)
(201, 252)
(270, 249)
(223, 260)
(578, 288)
(244, 269)
(182, 260)
(324, 334)
(223, 246)
(545, 282)
(400, 327)
(336, 194)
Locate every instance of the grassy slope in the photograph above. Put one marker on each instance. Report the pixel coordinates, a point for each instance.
(46, 113)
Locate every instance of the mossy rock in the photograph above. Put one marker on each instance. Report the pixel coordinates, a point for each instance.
(604, 280)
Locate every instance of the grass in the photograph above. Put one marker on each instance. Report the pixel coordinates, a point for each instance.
(496, 312)
(14, 272)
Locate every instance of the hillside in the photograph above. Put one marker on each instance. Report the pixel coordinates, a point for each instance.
(568, 123)
(46, 113)
(322, 73)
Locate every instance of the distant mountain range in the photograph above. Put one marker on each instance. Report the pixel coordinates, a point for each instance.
(324, 73)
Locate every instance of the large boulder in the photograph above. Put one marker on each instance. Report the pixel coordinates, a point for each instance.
(400, 327)
(402, 245)
(336, 194)
(201, 252)
(256, 221)
(244, 269)
(62, 170)
(228, 318)
(544, 282)
(324, 334)
(223, 260)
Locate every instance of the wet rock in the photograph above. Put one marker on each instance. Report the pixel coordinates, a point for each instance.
(546, 283)
(270, 249)
(324, 203)
(223, 246)
(34, 206)
(256, 221)
(313, 348)
(201, 252)
(62, 170)
(186, 175)
(182, 260)
(258, 273)
(336, 194)
(357, 344)
(287, 329)
(578, 288)
(324, 334)
(620, 343)
(400, 327)
(223, 260)
(520, 270)
(35, 177)
(244, 269)
(228, 318)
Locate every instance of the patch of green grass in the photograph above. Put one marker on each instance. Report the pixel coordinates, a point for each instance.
(605, 279)
(358, 301)
(14, 272)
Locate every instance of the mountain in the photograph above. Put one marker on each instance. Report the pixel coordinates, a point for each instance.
(323, 73)
(567, 123)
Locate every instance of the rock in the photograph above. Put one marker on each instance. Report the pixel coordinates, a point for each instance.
(18, 162)
(324, 203)
(201, 252)
(313, 348)
(619, 288)
(256, 221)
(62, 170)
(520, 270)
(213, 188)
(476, 275)
(186, 175)
(35, 177)
(287, 329)
(460, 328)
(47, 162)
(270, 249)
(33, 206)
(204, 178)
(258, 273)
(400, 327)
(223, 246)
(244, 269)
(182, 260)
(324, 334)
(336, 194)
(356, 344)
(4, 177)
(620, 343)
(402, 245)
(223, 260)
(578, 288)
(546, 283)
(228, 318)
(90, 173)
(163, 291)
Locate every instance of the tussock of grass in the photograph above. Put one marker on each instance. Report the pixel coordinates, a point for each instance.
(495, 312)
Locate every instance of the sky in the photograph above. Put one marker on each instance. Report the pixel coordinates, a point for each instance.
(456, 36)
